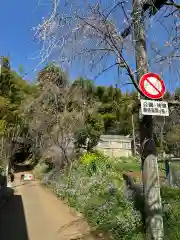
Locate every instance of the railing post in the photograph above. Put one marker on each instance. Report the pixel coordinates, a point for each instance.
(166, 168)
(170, 180)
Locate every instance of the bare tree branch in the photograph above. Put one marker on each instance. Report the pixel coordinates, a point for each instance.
(93, 34)
(172, 3)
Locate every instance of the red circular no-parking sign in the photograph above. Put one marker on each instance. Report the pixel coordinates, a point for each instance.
(152, 86)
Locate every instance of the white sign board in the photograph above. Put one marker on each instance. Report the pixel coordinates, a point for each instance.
(154, 108)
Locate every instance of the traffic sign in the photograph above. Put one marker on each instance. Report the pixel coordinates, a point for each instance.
(154, 108)
(152, 86)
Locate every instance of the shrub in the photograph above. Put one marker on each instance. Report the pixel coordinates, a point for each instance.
(99, 194)
(124, 164)
(88, 137)
(94, 160)
(40, 170)
(171, 212)
(94, 186)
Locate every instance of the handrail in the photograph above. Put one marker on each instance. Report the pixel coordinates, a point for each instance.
(170, 160)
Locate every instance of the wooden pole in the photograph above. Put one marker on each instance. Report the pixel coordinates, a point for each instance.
(150, 176)
(134, 138)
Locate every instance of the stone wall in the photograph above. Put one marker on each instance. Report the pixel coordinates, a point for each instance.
(115, 145)
(111, 145)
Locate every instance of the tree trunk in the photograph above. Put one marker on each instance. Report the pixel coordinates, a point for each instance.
(151, 185)
(150, 176)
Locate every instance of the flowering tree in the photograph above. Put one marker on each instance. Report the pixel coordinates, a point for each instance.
(99, 35)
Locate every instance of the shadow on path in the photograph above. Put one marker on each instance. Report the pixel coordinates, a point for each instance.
(12, 220)
(23, 167)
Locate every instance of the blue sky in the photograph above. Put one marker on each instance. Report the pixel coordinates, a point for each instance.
(16, 21)
(18, 17)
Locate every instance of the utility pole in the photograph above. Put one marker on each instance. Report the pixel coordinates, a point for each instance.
(150, 176)
(162, 138)
(134, 138)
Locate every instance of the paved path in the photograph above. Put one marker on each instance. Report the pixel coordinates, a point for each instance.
(34, 213)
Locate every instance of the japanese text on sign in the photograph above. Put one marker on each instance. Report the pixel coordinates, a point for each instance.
(155, 108)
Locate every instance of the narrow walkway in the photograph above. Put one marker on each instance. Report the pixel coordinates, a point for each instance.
(34, 213)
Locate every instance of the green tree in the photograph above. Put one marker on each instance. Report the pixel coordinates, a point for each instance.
(88, 137)
(173, 140)
(100, 90)
(13, 92)
(177, 94)
(52, 74)
(87, 86)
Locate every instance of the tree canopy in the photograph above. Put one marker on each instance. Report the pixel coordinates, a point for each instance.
(31, 115)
